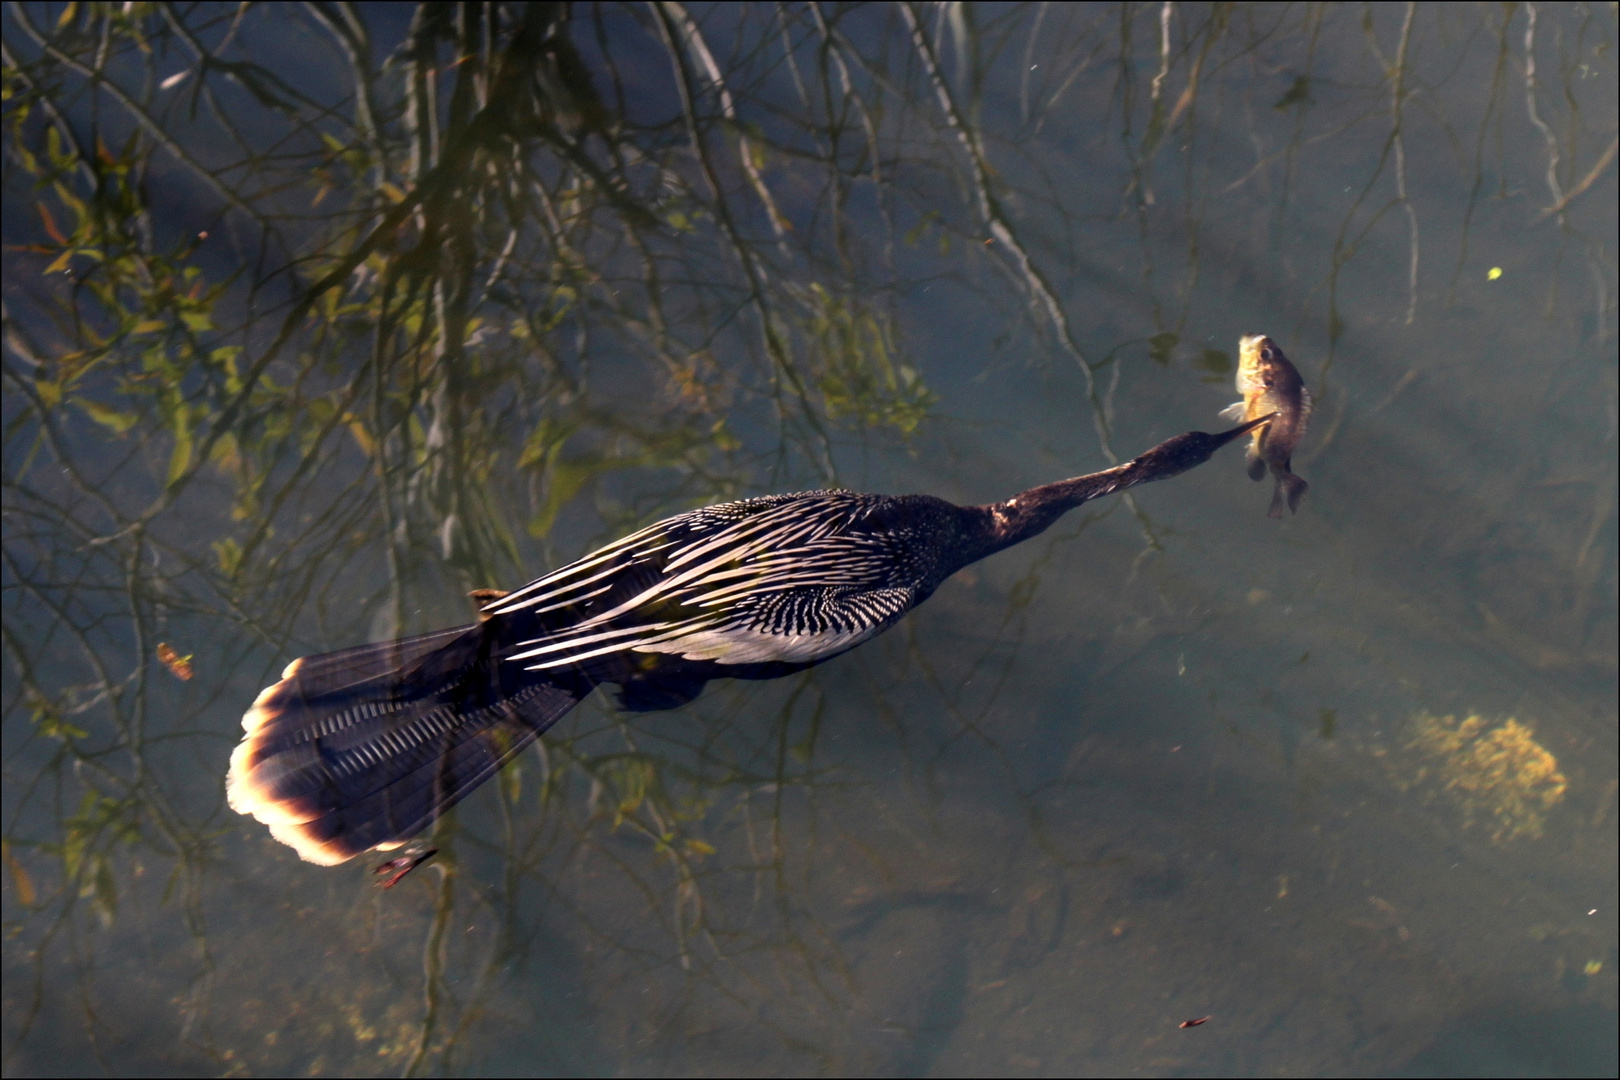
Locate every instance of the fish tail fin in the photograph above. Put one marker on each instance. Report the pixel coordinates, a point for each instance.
(364, 748)
(1296, 491)
(1290, 489)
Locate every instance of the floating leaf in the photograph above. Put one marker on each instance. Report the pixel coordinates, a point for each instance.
(1159, 346)
(229, 554)
(362, 437)
(114, 420)
(20, 878)
(1216, 363)
(102, 889)
(1298, 94)
(179, 666)
(48, 718)
(180, 459)
(50, 224)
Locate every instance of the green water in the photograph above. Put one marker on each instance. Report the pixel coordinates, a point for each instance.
(484, 287)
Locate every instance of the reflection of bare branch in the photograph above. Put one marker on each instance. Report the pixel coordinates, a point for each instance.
(139, 115)
(1530, 105)
(1029, 65)
(1498, 75)
(1397, 102)
(770, 336)
(693, 38)
(433, 962)
(1040, 294)
(1395, 73)
(350, 32)
(1166, 10)
(1586, 181)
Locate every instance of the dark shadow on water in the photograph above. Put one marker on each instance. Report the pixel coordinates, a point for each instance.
(1583, 1040)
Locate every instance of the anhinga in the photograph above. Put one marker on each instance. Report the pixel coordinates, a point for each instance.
(364, 748)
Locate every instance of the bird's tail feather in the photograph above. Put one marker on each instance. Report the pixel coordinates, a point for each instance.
(365, 747)
(328, 671)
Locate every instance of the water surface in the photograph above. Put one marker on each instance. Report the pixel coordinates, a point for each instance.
(379, 304)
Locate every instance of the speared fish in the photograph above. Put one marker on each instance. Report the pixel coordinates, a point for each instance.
(1270, 384)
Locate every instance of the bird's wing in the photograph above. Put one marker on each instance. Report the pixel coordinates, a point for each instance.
(784, 578)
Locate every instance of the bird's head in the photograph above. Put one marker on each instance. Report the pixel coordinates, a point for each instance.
(1177, 455)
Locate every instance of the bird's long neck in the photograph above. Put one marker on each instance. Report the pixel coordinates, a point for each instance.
(1032, 512)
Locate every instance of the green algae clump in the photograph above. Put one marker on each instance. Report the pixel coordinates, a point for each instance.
(1499, 774)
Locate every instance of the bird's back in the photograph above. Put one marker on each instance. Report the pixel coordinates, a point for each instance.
(783, 579)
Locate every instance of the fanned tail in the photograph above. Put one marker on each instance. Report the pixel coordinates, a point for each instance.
(1290, 489)
(365, 747)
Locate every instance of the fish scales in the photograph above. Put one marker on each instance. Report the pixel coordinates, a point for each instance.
(1270, 384)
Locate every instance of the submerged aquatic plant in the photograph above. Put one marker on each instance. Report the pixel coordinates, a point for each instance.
(1497, 773)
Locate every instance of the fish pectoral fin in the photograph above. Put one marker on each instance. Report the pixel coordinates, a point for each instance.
(1256, 464)
(1233, 411)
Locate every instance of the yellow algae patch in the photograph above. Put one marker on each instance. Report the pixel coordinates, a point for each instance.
(1497, 774)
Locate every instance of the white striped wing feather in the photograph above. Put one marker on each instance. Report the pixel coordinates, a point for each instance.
(784, 578)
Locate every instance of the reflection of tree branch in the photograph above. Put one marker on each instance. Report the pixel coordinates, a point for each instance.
(745, 150)
(1530, 105)
(350, 32)
(200, 86)
(1587, 181)
(138, 114)
(1497, 77)
(433, 980)
(15, 70)
(47, 424)
(1041, 294)
(774, 347)
(1397, 101)
(1395, 73)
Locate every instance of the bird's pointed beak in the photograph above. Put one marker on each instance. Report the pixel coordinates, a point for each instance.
(1224, 437)
(1175, 456)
